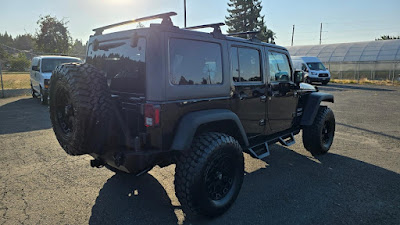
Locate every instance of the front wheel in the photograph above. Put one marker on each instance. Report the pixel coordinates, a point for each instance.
(318, 137)
(209, 177)
(43, 97)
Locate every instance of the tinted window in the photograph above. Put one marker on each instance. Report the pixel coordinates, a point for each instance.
(48, 65)
(245, 65)
(194, 62)
(279, 68)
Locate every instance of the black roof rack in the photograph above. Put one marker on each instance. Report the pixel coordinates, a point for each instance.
(241, 33)
(252, 35)
(216, 32)
(165, 16)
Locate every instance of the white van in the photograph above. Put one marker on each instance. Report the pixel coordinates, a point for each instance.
(313, 67)
(41, 69)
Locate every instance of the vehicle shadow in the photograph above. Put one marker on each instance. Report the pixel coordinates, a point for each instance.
(127, 199)
(341, 87)
(28, 113)
(290, 188)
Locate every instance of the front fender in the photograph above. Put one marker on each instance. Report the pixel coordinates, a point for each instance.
(189, 123)
(312, 103)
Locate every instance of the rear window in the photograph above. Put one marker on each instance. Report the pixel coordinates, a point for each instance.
(48, 65)
(194, 62)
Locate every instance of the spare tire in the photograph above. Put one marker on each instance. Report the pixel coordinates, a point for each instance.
(80, 108)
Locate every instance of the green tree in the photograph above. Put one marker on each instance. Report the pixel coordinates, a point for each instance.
(19, 63)
(78, 49)
(244, 15)
(53, 36)
(24, 42)
(6, 39)
(387, 37)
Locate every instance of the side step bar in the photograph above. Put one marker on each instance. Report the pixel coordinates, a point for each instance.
(261, 150)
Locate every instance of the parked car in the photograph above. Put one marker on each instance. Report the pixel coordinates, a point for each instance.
(313, 67)
(163, 95)
(40, 73)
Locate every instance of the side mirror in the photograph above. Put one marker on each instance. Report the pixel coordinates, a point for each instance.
(298, 76)
(35, 68)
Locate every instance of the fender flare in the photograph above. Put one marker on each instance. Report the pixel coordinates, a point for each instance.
(313, 101)
(189, 123)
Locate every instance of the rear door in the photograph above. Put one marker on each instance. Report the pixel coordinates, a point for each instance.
(282, 94)
(248, 98)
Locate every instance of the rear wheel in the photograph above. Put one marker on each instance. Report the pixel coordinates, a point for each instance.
(208, 178)
(318, 137)
(80, 108)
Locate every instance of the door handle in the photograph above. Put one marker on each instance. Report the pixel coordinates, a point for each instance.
(263, 98)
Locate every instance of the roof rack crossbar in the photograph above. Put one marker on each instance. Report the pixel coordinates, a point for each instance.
(165, 16)
(216, 32)
(241, 33)
(212, 25)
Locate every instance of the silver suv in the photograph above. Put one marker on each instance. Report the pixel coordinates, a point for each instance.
(41, 70)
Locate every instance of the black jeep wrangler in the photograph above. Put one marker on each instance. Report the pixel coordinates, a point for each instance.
(163, 95)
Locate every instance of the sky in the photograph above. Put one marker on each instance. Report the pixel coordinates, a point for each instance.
(342, 20)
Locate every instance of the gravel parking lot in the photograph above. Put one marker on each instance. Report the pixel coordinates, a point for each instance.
(357, 182)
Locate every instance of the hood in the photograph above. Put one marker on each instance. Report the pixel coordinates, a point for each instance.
(46, 75)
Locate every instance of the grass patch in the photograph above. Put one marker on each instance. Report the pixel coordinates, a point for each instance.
(366, 81)
(16, 81)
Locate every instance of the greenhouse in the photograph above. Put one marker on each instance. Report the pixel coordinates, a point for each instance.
(374, 60)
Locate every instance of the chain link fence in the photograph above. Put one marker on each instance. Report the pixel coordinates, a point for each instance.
(14, 84)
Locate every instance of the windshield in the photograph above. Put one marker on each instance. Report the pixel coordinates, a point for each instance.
(316, 66)
(48, 65)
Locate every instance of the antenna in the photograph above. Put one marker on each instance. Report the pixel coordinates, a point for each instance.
(165, 16)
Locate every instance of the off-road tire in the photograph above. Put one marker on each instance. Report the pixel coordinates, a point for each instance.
(318, 137)
(81, 127)
(43, 97)
(199, 164)
(33, 92)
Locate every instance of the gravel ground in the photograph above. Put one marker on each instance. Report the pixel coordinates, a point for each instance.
(357, 182)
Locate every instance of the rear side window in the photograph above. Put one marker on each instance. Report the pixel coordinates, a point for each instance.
(279, 68)
(246, 65)
(194, 62)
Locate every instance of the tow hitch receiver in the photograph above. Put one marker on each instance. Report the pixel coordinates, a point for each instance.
(96, 163)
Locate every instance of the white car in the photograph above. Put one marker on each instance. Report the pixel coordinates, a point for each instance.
(41, 69)
(313, 67)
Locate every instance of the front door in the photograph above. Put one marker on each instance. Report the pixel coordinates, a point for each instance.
(248, 97)
(282, 96)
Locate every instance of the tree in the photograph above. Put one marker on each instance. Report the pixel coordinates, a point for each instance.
(19, 63)
(24, 42)
(53, 36)
(6, 39)
(387, 37)
(78, 49)
(244, 15)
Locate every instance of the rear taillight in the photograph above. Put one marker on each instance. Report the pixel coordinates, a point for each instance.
(151, 115)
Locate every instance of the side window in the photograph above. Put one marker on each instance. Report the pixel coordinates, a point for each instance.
(279, 68)
(194, 62)
(245, 64)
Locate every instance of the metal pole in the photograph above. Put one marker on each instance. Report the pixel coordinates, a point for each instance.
(1, 77)
(320, 35)
(184, 5)
(292, 35)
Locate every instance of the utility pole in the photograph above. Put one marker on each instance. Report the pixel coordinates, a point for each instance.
(184, 5)
(320, 35)
(292, 35)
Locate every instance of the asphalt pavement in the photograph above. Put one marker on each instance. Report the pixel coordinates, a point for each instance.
(357, 182)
